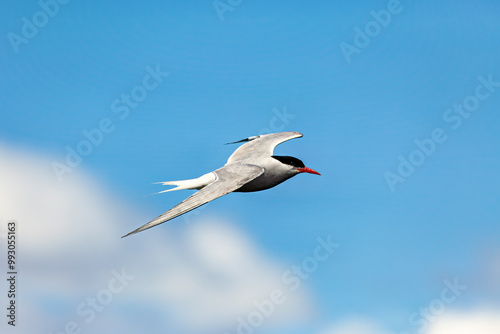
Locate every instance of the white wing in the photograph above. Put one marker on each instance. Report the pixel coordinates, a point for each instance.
(261, 146)
(228, 179)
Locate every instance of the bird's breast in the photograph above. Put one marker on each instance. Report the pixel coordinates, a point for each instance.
(265, 181)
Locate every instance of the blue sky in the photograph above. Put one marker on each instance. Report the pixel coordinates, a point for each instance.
(229, 78)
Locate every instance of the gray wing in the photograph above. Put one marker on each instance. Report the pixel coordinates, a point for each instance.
(261, 145)
(228, 179)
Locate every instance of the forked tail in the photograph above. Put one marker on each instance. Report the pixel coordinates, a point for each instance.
(198, 183)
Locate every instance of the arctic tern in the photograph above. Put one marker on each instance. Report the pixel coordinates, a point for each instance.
(252, 167)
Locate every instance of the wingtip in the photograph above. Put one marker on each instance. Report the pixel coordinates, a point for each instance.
(243, 140)
(236, 142)
(126, 235)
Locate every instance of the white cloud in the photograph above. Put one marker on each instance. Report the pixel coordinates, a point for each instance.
(478, 321)
(219, 277)
(52, 215)
(481, 321)
(355, 326)
(197, 278)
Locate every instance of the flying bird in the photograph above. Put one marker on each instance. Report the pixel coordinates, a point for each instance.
(252, 167)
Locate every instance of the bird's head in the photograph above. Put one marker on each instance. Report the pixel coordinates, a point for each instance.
(295, 165)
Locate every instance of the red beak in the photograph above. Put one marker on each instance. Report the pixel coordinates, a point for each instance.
(307, 170)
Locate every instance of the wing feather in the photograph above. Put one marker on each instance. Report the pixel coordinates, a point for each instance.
(262, 145)
(228, 179)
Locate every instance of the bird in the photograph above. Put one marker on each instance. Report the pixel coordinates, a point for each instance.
(252, 167)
